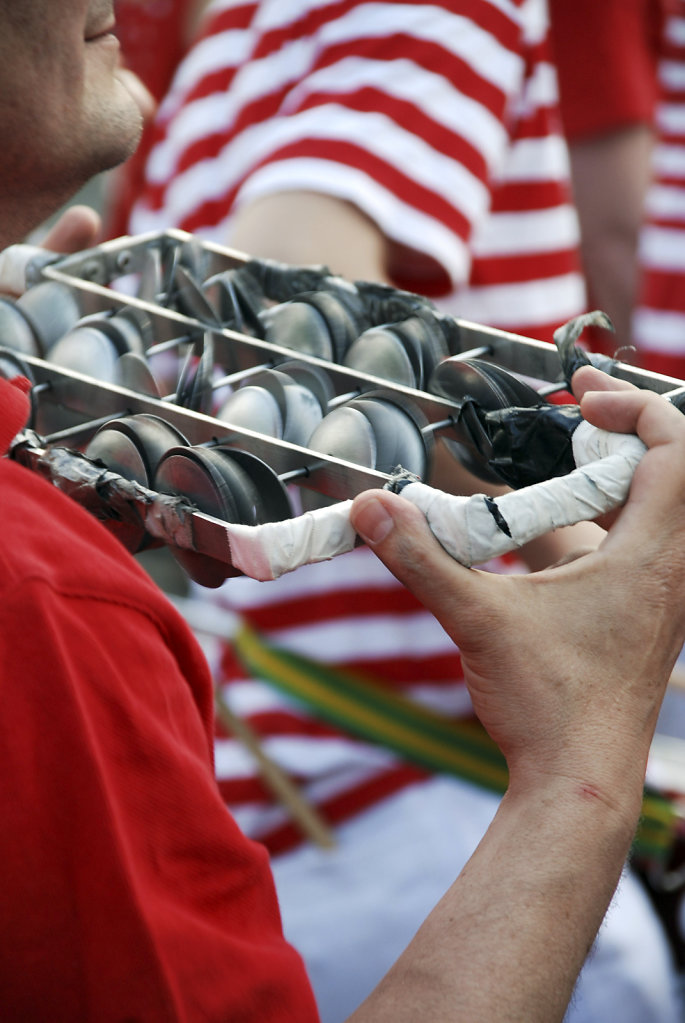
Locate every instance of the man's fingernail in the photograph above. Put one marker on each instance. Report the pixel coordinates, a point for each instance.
(373, 522)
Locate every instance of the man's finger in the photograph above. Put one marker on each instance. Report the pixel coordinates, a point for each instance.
(654, 419)
(645, 521)
(619, 406)
(77, 228)
(587, 378)
(400, 536)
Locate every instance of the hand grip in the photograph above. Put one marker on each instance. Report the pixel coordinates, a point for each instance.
(471, 529)
(474, 529)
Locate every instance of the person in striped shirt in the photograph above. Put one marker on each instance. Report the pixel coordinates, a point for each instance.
(622, 78)
(607, 57)
(417, 144)
(659, 315)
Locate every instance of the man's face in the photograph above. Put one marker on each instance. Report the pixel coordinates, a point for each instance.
(64, 113)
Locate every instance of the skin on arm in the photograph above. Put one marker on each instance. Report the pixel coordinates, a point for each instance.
(574, 716)
(310, 228)
(610, 175)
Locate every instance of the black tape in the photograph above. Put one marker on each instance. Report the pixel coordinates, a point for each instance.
(500, 520)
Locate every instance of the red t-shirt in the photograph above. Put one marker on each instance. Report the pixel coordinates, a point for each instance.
(128, 890)
(606, 53)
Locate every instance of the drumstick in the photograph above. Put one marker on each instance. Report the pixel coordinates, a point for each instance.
(282, 786)
(213, 621)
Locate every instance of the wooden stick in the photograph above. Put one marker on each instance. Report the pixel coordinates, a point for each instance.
(280, 784)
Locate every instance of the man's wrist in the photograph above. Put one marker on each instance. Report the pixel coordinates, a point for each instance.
(594, 802)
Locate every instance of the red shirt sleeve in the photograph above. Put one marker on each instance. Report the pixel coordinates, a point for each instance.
(606, 53)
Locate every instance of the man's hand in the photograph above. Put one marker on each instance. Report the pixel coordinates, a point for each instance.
(567, 667)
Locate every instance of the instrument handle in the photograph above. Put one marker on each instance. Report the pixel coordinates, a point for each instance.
(475, 529)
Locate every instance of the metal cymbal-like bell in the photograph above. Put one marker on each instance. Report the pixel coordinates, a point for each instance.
(194, 390)
(254, 408)
(87, 350)
(299, 326)
(131, 328)
(302, 409)
(94, 346)
(52, 308)
(132, 447)
(405, 352)
(380, 352)
(348, 434)
(373, 431)
(191, 300)
(133, 372)
(193, 474)
(272, 503)
(398, 434)
(16, 330)
(236, 308)
(223, 484)
(491, 388)
(314, 378)
(287, 402)
(315, 323)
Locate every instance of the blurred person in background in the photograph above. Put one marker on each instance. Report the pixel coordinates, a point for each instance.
(621, 71)
(607, 58)
(659, 317)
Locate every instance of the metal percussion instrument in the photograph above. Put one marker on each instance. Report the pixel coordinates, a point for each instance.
(188, 388)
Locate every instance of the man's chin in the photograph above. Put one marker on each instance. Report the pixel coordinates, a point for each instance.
(124, 127)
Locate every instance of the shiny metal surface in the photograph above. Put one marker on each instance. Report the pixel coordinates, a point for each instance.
(253, 407)
(314, 416)
(488, 384)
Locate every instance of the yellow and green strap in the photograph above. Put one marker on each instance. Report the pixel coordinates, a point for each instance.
(457, 746)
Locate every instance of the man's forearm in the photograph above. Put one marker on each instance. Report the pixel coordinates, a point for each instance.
(509, 938)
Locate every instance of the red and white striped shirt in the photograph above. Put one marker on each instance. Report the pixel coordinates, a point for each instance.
(352, 614)
(440, 122)
(659, 319)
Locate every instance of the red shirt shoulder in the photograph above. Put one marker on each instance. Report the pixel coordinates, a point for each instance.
(129, 890)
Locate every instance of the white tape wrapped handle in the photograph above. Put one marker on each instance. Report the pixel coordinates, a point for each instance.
(475, 529)
(14, 264)
(274, 548)
(471, 529)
